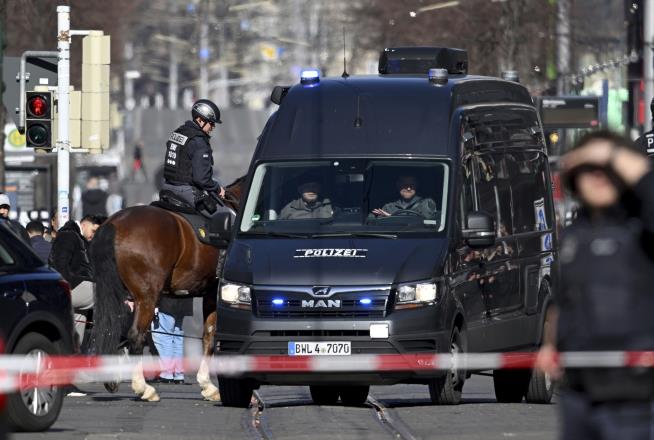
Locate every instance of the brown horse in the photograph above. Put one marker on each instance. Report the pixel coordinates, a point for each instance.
(143, 252)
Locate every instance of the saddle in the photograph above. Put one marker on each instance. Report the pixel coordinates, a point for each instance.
(206, 226)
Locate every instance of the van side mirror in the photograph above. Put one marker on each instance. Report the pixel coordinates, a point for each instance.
(479, 230)
(278, 94)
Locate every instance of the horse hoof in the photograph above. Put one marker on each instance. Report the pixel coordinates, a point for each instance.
(215, 397)
(150, 394)
(112, 387)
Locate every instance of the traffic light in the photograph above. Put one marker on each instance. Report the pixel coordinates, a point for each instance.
(38, 122)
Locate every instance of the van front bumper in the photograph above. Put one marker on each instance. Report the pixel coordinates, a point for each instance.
(239, 332)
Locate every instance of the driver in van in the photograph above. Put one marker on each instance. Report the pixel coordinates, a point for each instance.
(309, 205)
(409, 201)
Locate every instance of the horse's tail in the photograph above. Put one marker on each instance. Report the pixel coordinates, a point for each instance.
(111, 314)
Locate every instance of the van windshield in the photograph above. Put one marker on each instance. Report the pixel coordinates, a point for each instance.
(347, 197)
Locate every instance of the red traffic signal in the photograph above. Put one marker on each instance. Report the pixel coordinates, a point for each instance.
(37, 106)
(38, 125)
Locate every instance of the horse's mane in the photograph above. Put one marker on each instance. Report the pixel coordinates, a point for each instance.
(236, 182)
(233, 193)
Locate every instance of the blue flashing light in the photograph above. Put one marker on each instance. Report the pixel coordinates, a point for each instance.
(310, 76)
(365, 301)
(278, 302)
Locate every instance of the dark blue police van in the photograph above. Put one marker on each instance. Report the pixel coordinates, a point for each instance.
(406, 212)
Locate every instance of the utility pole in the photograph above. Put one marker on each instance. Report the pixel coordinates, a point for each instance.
(203, 88)
(173, 88)
(563, 46)
(648, 58)
(63, 140)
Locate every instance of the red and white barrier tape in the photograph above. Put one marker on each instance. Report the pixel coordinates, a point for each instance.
(21, 372)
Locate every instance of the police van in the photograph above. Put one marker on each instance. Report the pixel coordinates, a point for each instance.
(405, 212)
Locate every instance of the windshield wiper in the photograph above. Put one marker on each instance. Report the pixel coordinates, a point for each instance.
(278, 234)
(354, 234)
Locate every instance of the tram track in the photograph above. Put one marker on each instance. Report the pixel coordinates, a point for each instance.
(390, 421)
(255, 421)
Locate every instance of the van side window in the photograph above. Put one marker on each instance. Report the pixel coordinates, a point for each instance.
(529, 186)
(494, 191)
(467, 189)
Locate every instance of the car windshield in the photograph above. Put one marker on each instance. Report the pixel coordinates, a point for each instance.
(347, 197)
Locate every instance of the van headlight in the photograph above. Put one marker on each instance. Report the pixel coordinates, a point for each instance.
(236, 295)
(416, 295)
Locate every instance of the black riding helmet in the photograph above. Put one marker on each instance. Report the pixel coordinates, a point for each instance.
(206, 110)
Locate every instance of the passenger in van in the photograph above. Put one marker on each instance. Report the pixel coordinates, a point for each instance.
(308, 205)
(408, 202)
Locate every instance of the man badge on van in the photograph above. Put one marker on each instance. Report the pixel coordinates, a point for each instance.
(330, 252)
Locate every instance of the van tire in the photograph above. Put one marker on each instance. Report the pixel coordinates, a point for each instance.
(323, 395)
(235, 393)
(19, 415)
(446, 390)
(511, 385)
(541, 388)
(354, 396)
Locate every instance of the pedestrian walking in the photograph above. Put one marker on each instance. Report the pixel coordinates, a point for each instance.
(606, 295)
(168, 337)
(35, 230)
(5, 209)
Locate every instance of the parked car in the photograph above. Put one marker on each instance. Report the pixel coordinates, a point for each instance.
(36, 320)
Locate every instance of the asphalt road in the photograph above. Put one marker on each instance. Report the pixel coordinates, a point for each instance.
(404, 411)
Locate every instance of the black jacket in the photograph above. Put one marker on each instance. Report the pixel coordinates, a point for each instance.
(18, 229)
(646, 142)
(607, 295)
(198, 152)
(69, 255)
(41, 247)
(94, 202)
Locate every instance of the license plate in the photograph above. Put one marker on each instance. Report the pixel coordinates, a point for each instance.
(319, 348)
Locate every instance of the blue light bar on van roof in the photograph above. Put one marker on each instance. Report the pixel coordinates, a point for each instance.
(310, 76)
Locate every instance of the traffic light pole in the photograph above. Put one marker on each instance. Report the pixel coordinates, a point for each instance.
(63, 140)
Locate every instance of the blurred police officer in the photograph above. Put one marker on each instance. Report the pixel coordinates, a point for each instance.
(646, 141)
(188, 167)
(606, 296)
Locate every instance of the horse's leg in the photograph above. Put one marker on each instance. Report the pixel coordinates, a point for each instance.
(209, 390)
(143, 314)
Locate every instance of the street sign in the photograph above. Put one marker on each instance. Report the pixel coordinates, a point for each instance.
(569, 111)
(41, 72)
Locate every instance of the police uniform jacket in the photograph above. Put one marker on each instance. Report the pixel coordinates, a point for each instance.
(69, 255)
(299, 209)
(646, 142)
(424, 207)
(606, 297)
(189, 158)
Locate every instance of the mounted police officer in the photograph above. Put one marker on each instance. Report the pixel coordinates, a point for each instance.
(646, 141)
(188, 168)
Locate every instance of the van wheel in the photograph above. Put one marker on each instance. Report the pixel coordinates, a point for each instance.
(235, 393)
(511, 385)
(540, 389)
(446, 390)
(354, 396)
(323, 395)
(35, 409)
